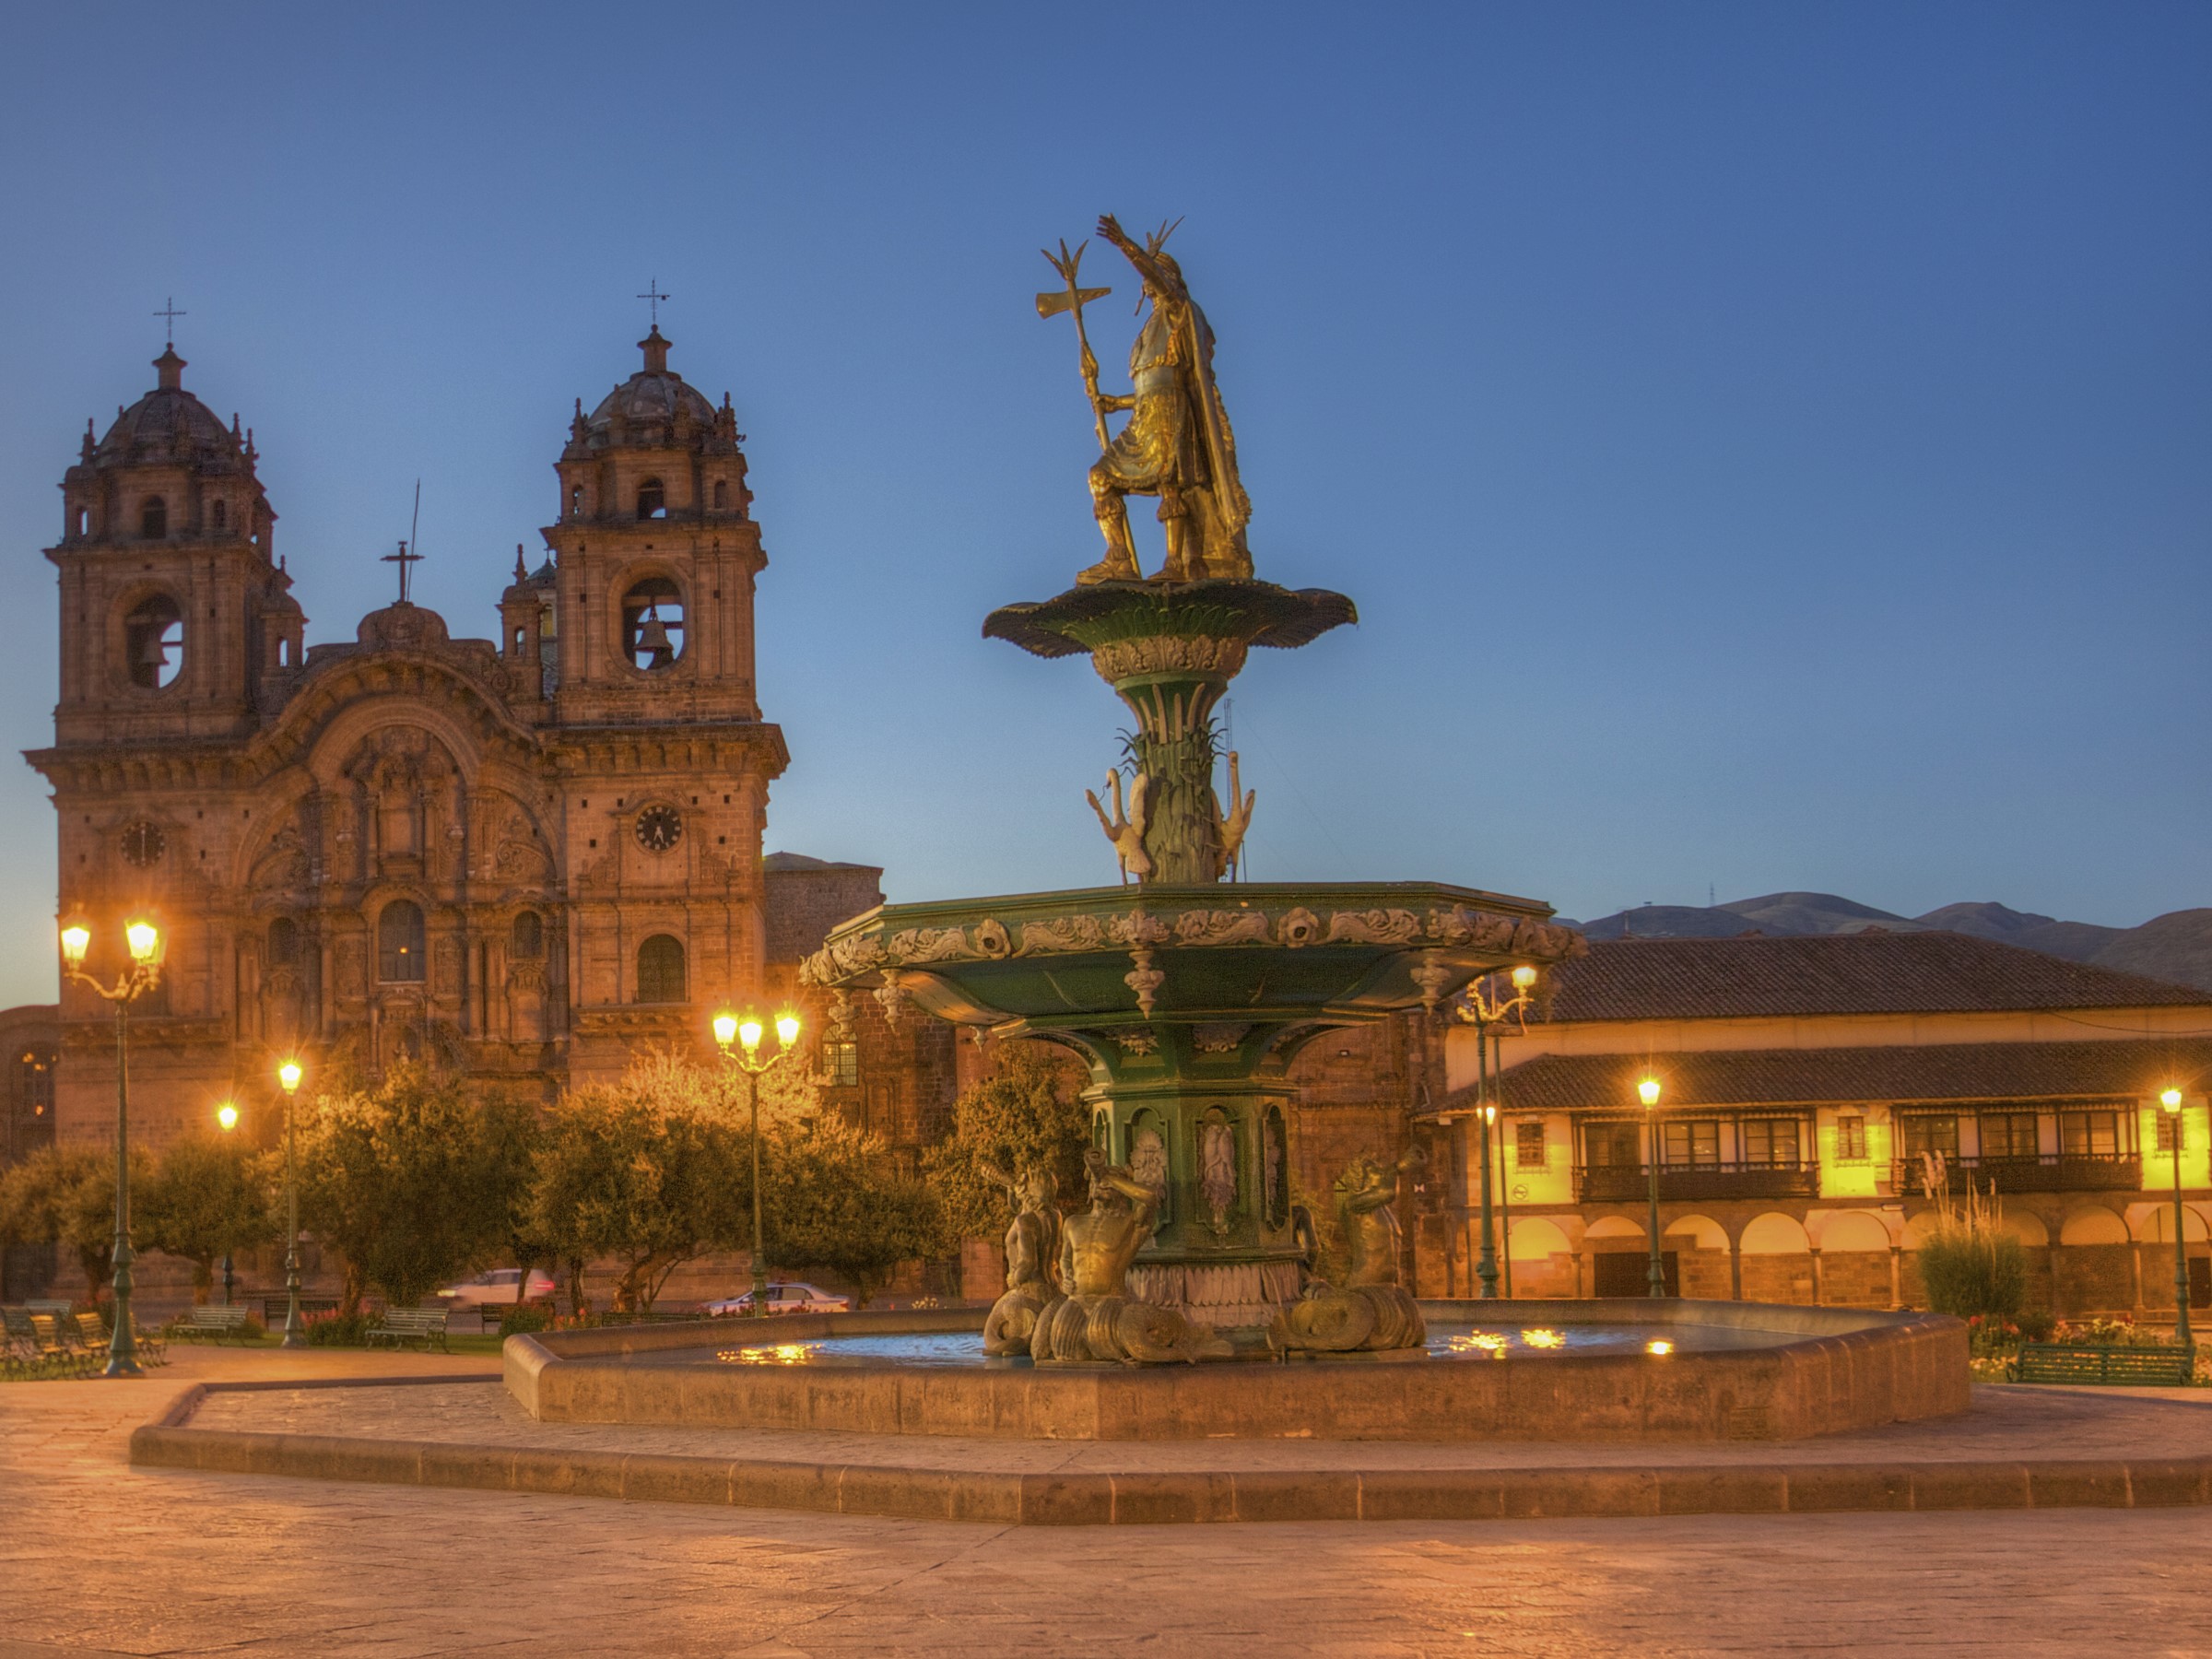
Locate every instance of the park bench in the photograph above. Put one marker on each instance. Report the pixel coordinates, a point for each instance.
(55, 1352)
(34, 1346)
(196, 1324)
(401, 1326)
(2094, 1362)
(92, 1336)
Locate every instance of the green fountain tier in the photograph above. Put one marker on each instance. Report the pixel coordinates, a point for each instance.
(1188, 1003)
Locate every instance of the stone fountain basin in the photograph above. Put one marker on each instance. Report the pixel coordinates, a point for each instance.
(1814, 1371)
(1267, 951)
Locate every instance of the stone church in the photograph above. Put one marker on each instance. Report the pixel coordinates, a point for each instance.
(522, 858)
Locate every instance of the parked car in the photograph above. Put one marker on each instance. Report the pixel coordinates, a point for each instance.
(498, 1286)
(783, 1299)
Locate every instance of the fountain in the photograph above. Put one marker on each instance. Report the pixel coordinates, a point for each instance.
(1173, 1304)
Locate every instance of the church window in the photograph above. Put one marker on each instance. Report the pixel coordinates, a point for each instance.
(284, 942)
(722, 495)
(653, 500)
(399, 942)
(528, 939)
(841, 1061)
(153, 641)
(575, 500)
(284, 653)
(653, 623)
(84, 522)
(661, 969)
(222, 515)
(153, 519)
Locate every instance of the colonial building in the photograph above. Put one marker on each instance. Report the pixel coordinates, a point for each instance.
(522, 856)
(1813, 1094)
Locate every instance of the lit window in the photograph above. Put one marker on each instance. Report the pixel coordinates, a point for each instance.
(399, 942)
(1693, 1141)
(1851, 1138)
(1529, 1145)
(1771, 1142)
(841, 1061)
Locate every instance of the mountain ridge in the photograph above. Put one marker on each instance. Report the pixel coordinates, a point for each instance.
(2176, 947)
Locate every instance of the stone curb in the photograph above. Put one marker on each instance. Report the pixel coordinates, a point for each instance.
(1168, 1497)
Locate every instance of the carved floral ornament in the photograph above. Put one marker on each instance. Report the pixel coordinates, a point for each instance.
(989, 940)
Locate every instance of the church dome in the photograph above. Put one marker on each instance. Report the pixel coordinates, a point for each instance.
(652, 408)
(168, 424)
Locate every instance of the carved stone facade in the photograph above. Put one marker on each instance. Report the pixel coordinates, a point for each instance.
(523, 858)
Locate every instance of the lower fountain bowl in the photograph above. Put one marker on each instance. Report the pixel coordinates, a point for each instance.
(1626, 1370)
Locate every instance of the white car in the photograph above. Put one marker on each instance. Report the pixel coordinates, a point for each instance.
(783, 1299)
(501, 1287)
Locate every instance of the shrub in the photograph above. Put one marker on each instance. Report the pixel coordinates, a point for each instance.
(1969, 1271)
(337, 1329)
(524, 1318)
(2036, 1324)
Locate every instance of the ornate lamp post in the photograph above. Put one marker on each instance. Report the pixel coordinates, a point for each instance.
(144, 973)
(745, 1033)
(1648, 1092)
(226, 1118)
(1505, 1204)
(295, 1334)
(1485, 1013)
(2172, 1100)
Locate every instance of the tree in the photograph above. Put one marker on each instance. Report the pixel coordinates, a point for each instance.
(1025, 1115)
(647, 1171)
(835, 1202)
(66, 1196)
(401, 1179)
(208, 1196)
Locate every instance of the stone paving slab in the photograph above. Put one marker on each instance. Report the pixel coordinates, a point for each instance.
(2017, 1448)
(99, 1557)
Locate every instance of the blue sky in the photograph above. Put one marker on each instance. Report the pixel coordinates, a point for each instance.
(1768, 445)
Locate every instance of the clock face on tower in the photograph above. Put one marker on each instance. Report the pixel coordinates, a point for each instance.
(659, 828)
(142, 843)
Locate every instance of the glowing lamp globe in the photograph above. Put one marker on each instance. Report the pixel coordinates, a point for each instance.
(77, 939)
(226, 1115)
(725, 1028)
(787, 1029)
(1648, 1092)
(288, 1075)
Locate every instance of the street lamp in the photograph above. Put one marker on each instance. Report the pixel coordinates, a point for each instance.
(143, 974)
(1485, 1013)
(295, 1334)
(226, 1118)
(1505, 1206)
(2172, 1100)
(745, 1033)
(1648, 1092)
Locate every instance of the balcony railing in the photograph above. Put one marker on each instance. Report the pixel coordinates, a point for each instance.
(1620, 1183)
(2044, 1172)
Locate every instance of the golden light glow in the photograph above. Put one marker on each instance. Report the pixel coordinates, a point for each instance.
(748, 1033)
(1659, 1346)
(1648, 1091)
(787, 1027)
(145, 939)
(76, 938)
(782, 1353)
(725, 1027)
(1489, 1114)
(226, 1115)
(1479, 1342)
(1524, 977)
(288, 1075)
(1543, 1337)
(2171, 1099)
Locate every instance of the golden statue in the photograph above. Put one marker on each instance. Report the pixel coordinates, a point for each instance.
(1033, 1246)
(1372, 1312)
(1178, 445)
(1097, 1319)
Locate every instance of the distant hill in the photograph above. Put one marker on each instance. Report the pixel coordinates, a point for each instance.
(2176, 947)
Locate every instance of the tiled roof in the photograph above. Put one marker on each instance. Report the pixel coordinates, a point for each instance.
(2131, 1068)
(1835, 974)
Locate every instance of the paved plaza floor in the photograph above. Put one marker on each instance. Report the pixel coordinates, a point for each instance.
(96, 1556)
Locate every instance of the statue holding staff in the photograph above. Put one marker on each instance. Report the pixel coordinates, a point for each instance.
(1177, 444)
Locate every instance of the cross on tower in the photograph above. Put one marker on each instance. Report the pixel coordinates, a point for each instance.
(403, 558)
(653, 292)
(170, 313)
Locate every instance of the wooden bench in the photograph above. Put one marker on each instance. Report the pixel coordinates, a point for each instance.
(214, 1321)
(92, 1336)
(34, 1345)
(401, 1326)
(2094, 1362)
